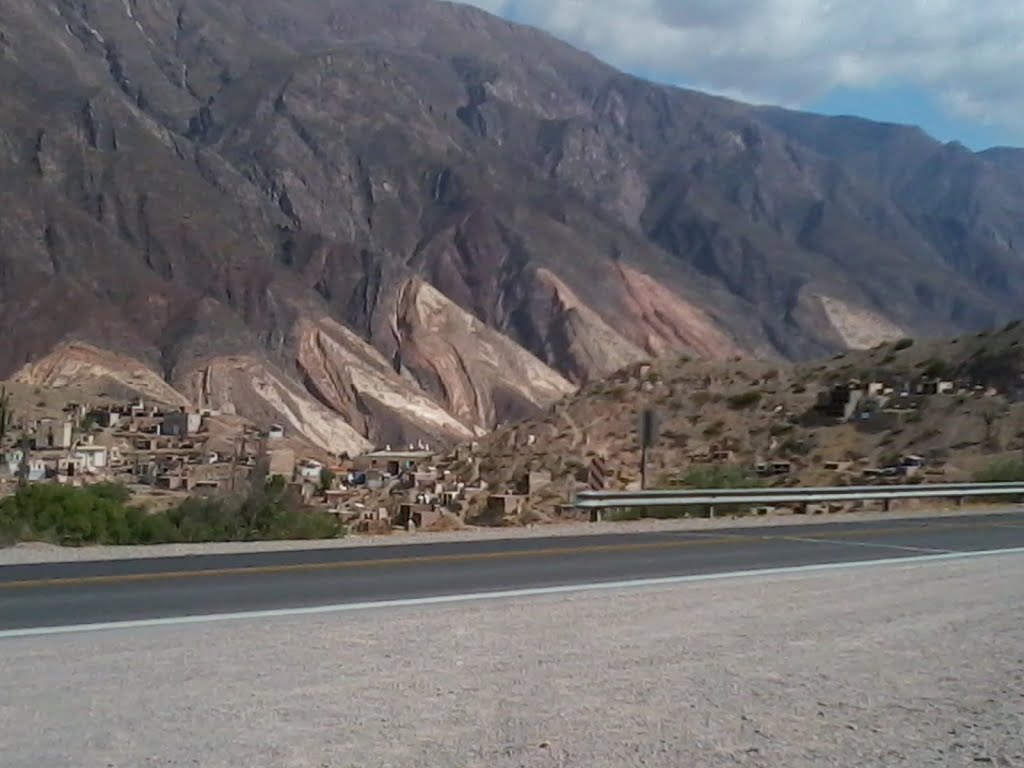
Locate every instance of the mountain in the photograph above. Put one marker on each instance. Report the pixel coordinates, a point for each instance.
(406, 219)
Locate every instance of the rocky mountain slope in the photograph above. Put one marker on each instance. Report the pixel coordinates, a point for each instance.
(765, 412)
(409, 219)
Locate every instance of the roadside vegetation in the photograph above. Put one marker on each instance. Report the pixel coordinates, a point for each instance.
(1007, 471)
(712, 477)
(703, 477)
(103, 514)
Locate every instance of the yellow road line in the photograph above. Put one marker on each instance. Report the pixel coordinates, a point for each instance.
(769, 533)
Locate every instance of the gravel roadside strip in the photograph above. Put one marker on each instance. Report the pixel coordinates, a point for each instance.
(48, 553)
(917, 665)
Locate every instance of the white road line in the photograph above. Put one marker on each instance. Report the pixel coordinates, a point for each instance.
(868, 544)
(508, 594)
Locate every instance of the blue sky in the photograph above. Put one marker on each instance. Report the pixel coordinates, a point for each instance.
(907, 104)
(949, 66)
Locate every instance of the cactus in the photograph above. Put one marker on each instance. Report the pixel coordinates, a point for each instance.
(24, 467)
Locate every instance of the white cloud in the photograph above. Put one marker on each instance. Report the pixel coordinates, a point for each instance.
(968, 55)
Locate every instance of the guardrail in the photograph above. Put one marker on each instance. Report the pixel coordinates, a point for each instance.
(711, 498)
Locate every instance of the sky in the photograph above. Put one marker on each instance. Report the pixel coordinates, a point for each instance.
(954, 67)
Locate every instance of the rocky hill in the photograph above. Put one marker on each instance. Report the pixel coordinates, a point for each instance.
(963, 410)
(409, 219)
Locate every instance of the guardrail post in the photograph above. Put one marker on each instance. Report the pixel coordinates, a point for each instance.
(798, 499)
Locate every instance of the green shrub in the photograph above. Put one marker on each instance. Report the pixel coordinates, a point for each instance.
(101, 515)
(903, 344)
(704, 477)
(72, 516)
(327, 478)
(719, 477)
(1006, 471)
(936, 368)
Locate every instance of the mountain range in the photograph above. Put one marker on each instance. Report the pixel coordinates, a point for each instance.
(411, 220)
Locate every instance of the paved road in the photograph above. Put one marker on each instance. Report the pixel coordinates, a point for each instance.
(61, 594)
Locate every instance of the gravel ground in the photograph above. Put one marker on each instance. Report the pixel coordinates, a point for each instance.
(915, 665)
(47, 553)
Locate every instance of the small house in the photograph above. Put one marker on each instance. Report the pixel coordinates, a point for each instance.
(281, 463)
(504, 504)
(420, 515)
(10, 466)
(391, 462)
(181, 423)
(61, 435)
(838, 466)
(310, 470)
(92, 458)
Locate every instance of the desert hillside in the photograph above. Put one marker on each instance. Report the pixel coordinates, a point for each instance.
(955, 407)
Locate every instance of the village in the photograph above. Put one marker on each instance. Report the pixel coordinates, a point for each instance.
(165, 455)
(879, 405)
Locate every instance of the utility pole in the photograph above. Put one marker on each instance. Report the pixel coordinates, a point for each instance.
(648, 435)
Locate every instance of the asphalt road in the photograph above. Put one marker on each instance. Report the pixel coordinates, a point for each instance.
(62, 594)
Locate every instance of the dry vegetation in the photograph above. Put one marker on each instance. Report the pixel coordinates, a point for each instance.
(766, 412)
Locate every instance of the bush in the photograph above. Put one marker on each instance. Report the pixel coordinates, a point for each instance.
(703, 397)
(795, 446)
(744, 400)
(936, 368)
(1007, 471)
(720, 477)
(101, 515)
(72, 517)
(327, 478)
(903, 344)
(708, 477)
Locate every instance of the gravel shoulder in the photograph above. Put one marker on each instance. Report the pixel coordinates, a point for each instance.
(48, 553)
(916, 665)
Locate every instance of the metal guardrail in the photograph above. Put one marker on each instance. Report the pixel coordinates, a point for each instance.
(597, 500)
